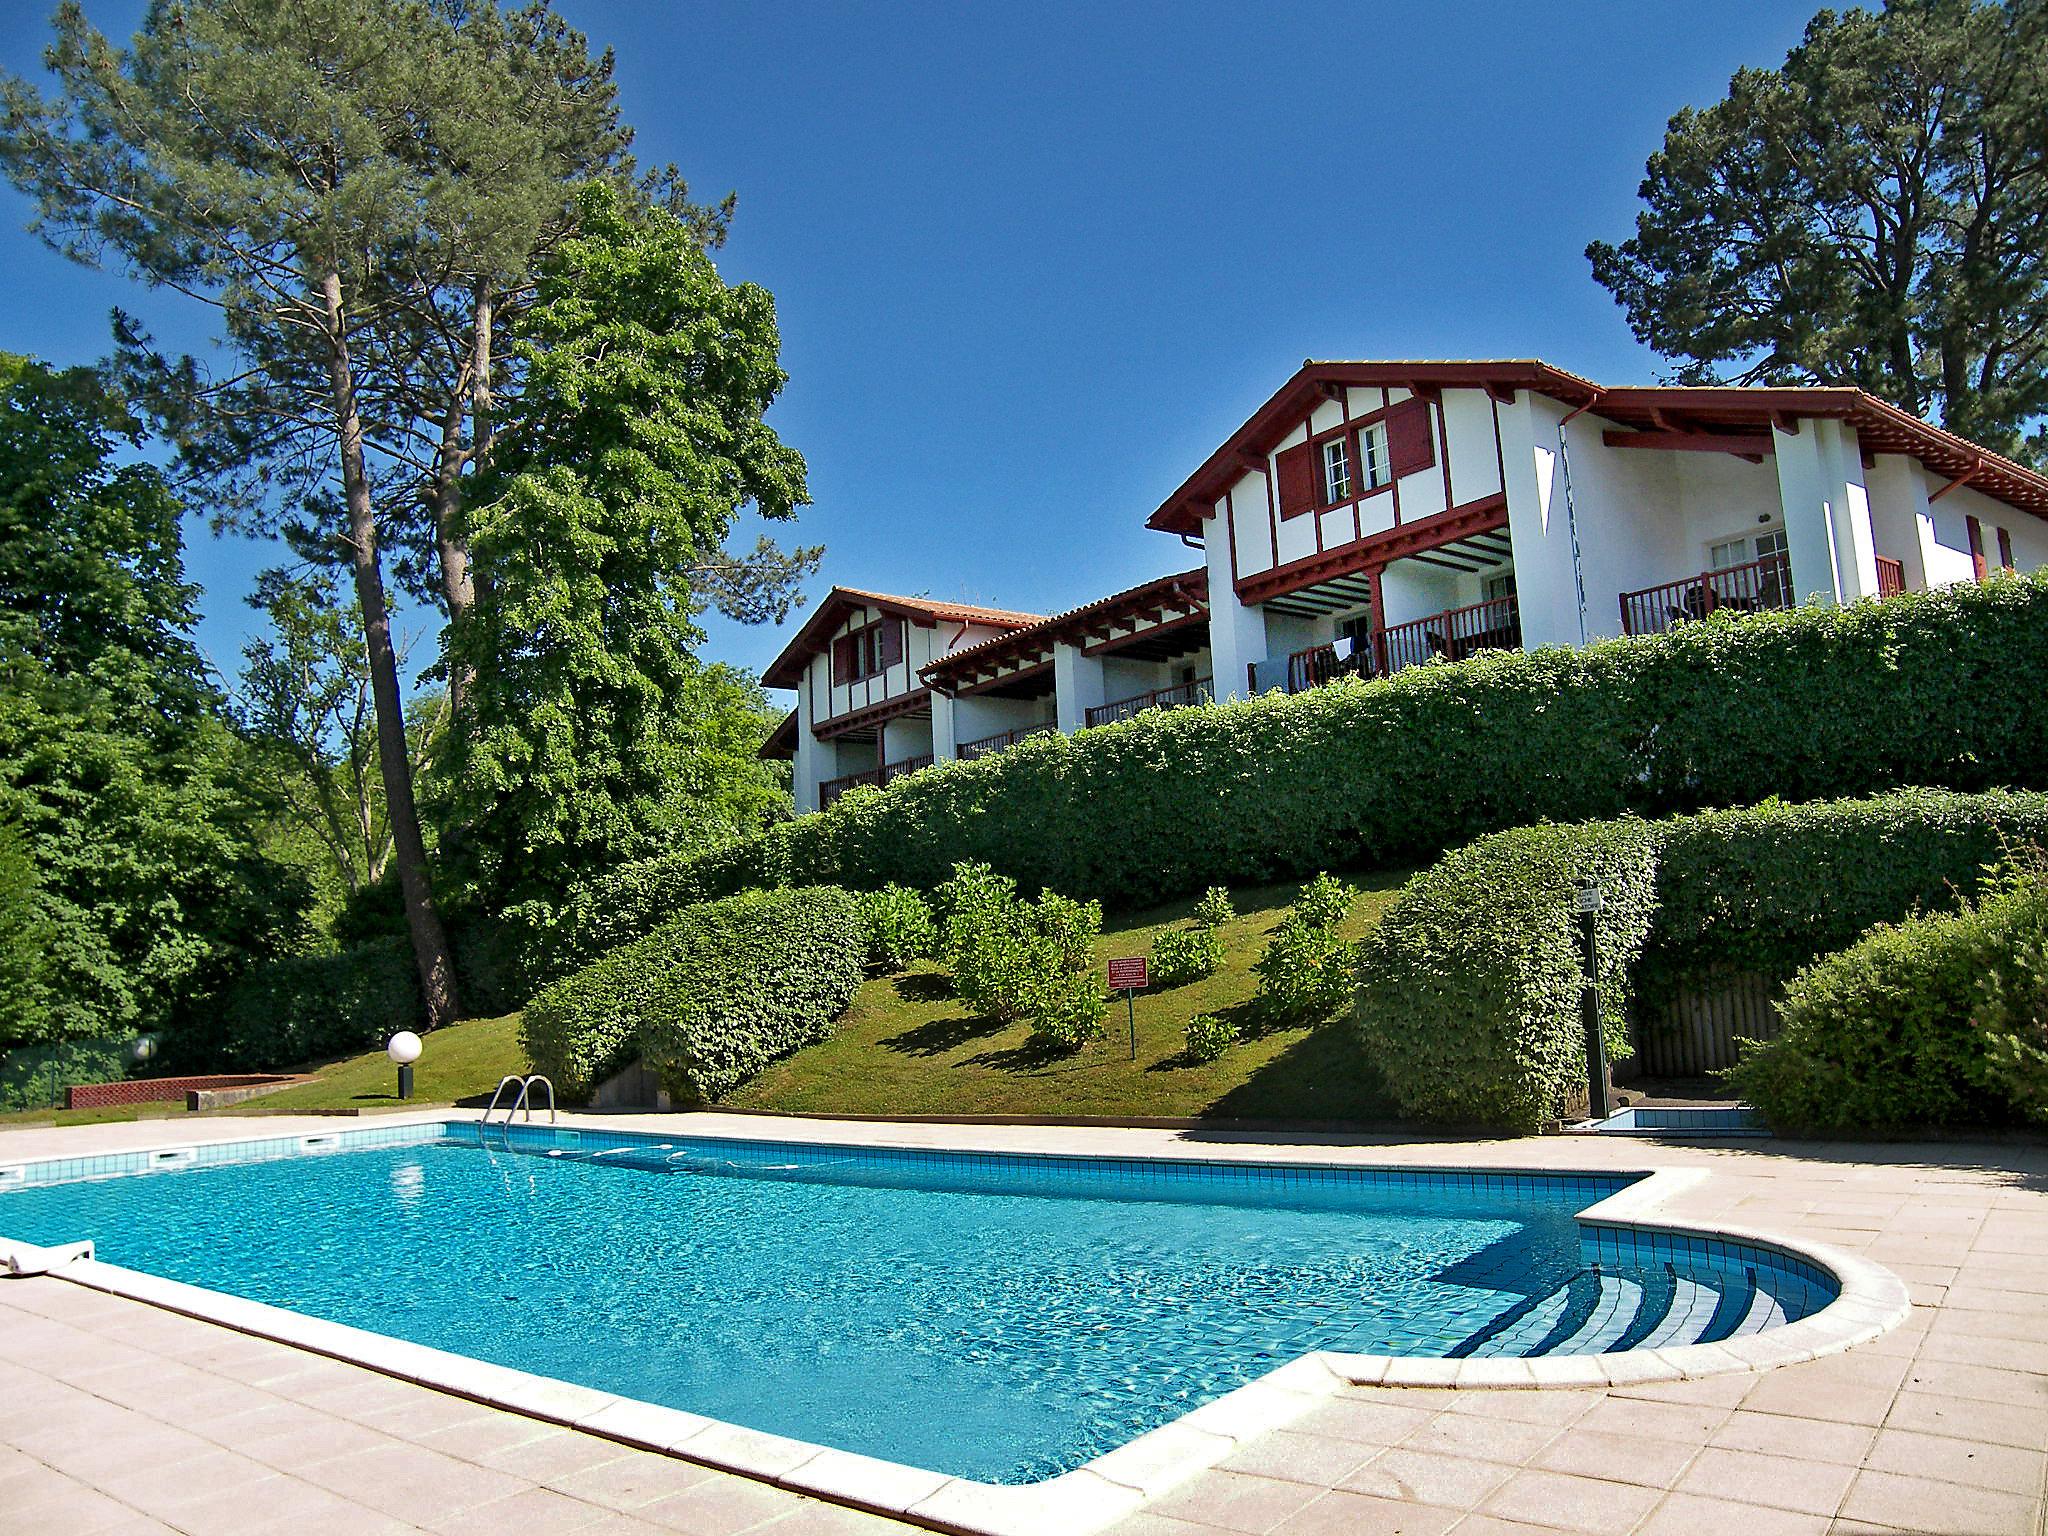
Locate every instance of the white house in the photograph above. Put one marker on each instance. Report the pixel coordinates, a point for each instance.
(1374, 514)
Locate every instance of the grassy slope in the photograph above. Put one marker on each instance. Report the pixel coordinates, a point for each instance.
(906, 1047)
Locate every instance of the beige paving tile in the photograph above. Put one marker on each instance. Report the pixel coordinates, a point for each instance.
(411, 1482)
(1922, 1504)
(529, 1512)
(1557, 1408)
(1320, 1459)
(1778, 1434)
(1781, 1482)
(1367, 1421)
(1776, 1392)
(1232, 1501)
(1464, 1434)
(633, 1480)
(1457, 1482)
(723, 1506)
(2008, 1469)
(1630, 1417)
(1584, 1504)
(1688, 1514)
(1618, 1458)
(1998, 1423)
(1356, 1514)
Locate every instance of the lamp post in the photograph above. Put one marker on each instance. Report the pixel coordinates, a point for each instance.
(1587, 905)
(404, 1048)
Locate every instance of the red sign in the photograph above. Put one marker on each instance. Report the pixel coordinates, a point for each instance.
(1127, 975)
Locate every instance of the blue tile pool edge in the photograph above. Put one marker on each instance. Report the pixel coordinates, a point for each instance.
(1869, 1302)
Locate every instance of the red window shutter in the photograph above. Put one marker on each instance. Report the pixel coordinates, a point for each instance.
(1410, 444)
(842, 659)
(892, 642)
(1296, 470)
(2005, 551)
(1976, 530)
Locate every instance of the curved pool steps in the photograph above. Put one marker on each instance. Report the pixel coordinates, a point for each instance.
(1599, 1313)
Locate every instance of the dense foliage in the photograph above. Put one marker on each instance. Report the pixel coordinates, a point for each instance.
(707, 999)
(1468, 987)
(1469, 983)
(591, 736)
(1938, 1021)
(1868, 213)
(145, 837)
(1803, 704)
(1208, 1037)
(1182, 955)
(306, 1008)
(899, 927)
(1305, 974)
(1015, 960)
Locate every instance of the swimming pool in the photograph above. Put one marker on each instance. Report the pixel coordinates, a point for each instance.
(993, 1317)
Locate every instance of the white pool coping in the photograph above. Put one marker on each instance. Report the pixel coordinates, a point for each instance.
(1870, 1302)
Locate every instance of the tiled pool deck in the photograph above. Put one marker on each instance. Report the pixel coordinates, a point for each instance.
(117, 1417)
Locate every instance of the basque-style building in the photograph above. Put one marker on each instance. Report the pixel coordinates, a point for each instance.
(1373, 515)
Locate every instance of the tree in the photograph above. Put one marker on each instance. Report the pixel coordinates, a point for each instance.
(593, 734)
(24, 940)
(304, 704)
(1872, 213)
(135, 804)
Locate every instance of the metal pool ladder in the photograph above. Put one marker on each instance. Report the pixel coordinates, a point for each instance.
(523, 1099)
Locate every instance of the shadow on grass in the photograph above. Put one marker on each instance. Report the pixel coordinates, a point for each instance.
(923, 987)
(938, 1036)
(1322, 1076)
(1034, 1056)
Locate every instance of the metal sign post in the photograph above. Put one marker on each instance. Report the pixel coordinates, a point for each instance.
(1128, 977)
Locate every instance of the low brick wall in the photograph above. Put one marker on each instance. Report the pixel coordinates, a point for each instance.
(166, 1090)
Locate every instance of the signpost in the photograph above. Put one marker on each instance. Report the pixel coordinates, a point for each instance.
(1128, 977)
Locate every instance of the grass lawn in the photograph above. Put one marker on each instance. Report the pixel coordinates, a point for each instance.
(462, 1063)
(908, 1048)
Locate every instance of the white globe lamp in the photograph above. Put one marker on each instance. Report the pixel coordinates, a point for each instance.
(404, 1048)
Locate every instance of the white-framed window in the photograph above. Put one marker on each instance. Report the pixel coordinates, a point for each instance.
(1336, 471)
(1372, 448)
(1760, 546)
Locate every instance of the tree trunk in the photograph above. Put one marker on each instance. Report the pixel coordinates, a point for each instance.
(458, 584)
(409, 850)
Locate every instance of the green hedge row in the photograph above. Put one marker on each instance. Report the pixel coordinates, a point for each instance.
(1938, 1021)
(35, 1076)
(708, 998)
(1816, 703)
(1468, 987)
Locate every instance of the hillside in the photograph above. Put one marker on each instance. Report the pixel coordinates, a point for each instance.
(906, 1047)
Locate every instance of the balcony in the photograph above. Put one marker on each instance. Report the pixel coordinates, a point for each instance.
(1753, 587)
(1451, 635)
(871, 778)
(988, 746)
(1180, 695)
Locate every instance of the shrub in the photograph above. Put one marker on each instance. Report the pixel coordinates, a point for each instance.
(1214, 909)
(1936, 1021)
(899, 927)
(35, 1076)
(1468, 997)
(1014, 961)
(1304, 976)
(1209, 1037)
(1806, 704)
(293, 1011)
(1182, 955)
(708, 999)
(1464, 955)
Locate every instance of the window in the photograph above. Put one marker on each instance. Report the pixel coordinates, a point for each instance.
(1336, 471)
(2005, 551)
(1372, 451)
(1498, 587)
(867, 651)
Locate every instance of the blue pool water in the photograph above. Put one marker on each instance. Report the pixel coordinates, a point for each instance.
(995, 1318)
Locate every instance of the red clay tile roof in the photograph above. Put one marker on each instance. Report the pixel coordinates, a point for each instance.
(787, 670)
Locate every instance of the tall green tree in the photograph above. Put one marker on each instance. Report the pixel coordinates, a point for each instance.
(1874, 212)
(593, 734)
(134, 802)
(24, 943)
(360, 187)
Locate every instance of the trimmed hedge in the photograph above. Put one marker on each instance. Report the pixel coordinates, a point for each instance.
(708, 999)
(1468, 987)
(1937, 1021)
(1807, 704)
(304, 1009)
(1469, 974)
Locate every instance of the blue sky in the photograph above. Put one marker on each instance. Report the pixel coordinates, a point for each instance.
(1033, 262)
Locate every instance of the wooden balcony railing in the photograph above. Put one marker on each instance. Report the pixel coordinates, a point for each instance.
(1748, 588)
(1451, 635)
(1180, 694)
(988, 746)
(1891, 576)
(873, 778)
